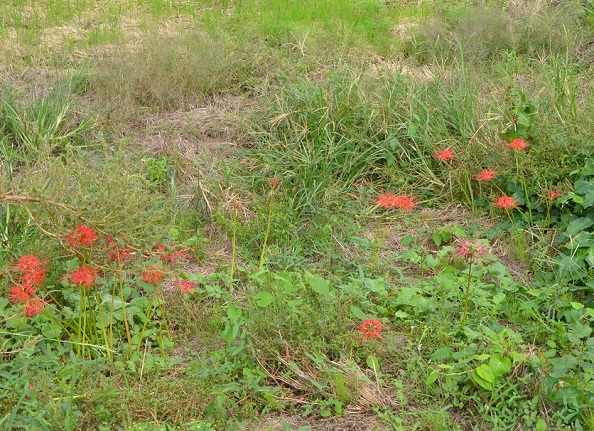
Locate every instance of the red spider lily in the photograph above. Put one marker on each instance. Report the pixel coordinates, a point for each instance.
(486, 175)
(371, 328)
(553, 194)
(82, 236)
(152, 275)
(171, 256)
(518, 144)
(506, 202)
(273, 183)
(404, 203)
(34, 279)
(470, 250)
(185, 286)
(21, 293)
(34, 307)
(116, 251)
(386, 200)
(29, 264)
(83, 276)
(445, 155)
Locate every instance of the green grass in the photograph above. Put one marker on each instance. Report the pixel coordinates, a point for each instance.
(161, 123)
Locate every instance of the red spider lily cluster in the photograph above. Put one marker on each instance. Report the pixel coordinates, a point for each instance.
(518, 144)
(486, 175)
(31, 273)
(506, 203)
(185, 286)
(273, 183)
(82, 236)
(389, 200)
(169, 254)
(470, 250)
(371, 328)
(153, 275)
(445, 155)
(117, 251)
(552, 194)
(83, 276)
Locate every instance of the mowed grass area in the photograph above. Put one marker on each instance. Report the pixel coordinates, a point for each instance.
(294, 215)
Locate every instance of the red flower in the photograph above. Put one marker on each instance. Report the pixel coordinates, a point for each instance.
(171, 256)
(21, 293)
(152, 275)
(83, 276)
(371, 328)
(518, 144)
(34, 307)
(185, 286)
(486, 175)
(34, 279)
(82, 235)
(470, 249)
(116, 251)
(386, 200)
(29, 264)
(404, 203)
(273, 183)
(506, 203)
(553, 194)
(445, 155)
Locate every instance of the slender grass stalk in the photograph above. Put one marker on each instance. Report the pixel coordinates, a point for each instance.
(272, 184)
(121, 283)
(234, 242)
(520, 168)
(102, 321)
(83, 317)
(463, 323)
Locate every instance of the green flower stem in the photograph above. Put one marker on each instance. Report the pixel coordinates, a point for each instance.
(520, 168)
(103, 330)
(267, 228)
(121, 283)
(467, 295)
(233, 245)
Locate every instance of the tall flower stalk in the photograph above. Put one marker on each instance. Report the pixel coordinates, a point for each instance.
(469, 251)
(272, 184)
(234, 241)
(519, 145)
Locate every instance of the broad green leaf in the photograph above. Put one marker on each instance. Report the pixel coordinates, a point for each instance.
(358, 313)
(230, 331)
(372, 362)
(499, 365)
(578, 225)
(234, 312)
(432, 377)
(318, 284)
(485, 384)
(437, 238)
(586, 190)
(541, 425)
(3, 303)
(407, 239)
(264, 299)
(485, 372)
(441, 354)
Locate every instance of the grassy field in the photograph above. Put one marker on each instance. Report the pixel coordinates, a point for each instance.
(297, 215)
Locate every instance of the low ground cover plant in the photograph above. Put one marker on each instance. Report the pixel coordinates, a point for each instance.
(296, 216)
